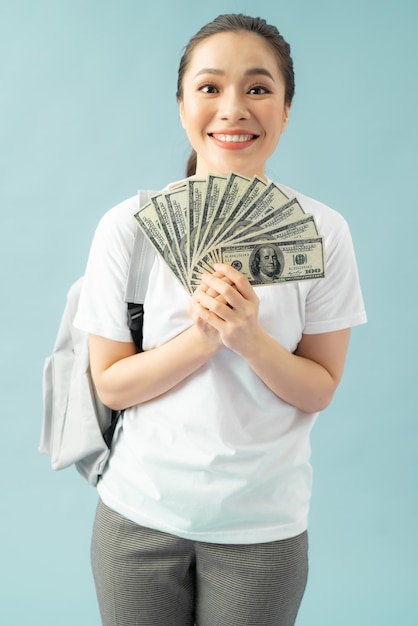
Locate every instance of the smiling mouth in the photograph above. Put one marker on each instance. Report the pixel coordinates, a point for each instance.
(233, 138)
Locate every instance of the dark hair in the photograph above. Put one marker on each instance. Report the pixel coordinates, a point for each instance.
(235, 22)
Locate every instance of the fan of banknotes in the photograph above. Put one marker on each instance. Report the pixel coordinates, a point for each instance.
(248, 223)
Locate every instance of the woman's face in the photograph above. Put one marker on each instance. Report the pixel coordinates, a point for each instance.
(233, 105)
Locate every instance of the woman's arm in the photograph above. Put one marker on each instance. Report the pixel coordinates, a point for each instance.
(309, 377)
(124, 378)
(306, 379)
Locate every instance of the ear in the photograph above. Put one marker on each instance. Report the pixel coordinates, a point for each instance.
(286, 113)
(181, 111)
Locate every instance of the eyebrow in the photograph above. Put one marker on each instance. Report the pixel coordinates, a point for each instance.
(252, 71)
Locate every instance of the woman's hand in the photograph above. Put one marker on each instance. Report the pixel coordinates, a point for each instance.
(225, 307)
(200, 315)
(200, 318)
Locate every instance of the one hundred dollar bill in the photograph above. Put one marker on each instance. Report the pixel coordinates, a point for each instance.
(177, 205)
(241, 211)
(148, 221)
(164, 214)
(270, 262)
(197, 189)
(271, 199)
(235, 187)
(301, 229)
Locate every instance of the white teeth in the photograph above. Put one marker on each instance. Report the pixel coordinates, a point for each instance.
(233, 138)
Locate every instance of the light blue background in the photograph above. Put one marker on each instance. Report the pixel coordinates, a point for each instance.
(88, 115)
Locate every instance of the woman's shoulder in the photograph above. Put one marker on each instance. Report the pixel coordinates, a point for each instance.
(119, 221)
(121, 213)
(124, 212)
(310, 204)
(327, 218)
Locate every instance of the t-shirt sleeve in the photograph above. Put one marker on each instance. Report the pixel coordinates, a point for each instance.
(336, 302)
(102, 309)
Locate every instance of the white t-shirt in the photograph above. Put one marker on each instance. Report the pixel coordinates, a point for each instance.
(220, 457)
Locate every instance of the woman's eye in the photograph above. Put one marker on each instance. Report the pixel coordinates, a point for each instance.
(208, 89)
(258, 90)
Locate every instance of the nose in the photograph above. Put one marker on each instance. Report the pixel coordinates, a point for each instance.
(233, 106)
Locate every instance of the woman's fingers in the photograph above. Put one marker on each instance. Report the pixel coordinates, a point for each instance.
(232, 287)
(237, 279)
(206, 288)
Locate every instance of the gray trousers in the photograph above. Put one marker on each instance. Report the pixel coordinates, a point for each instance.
(150, 578)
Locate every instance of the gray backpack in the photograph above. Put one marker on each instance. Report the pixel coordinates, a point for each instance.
(77, 428)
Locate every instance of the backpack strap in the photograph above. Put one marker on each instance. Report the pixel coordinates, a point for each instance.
(142, 259)
(143, 255)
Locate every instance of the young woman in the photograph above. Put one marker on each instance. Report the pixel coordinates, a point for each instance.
(202, 517)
